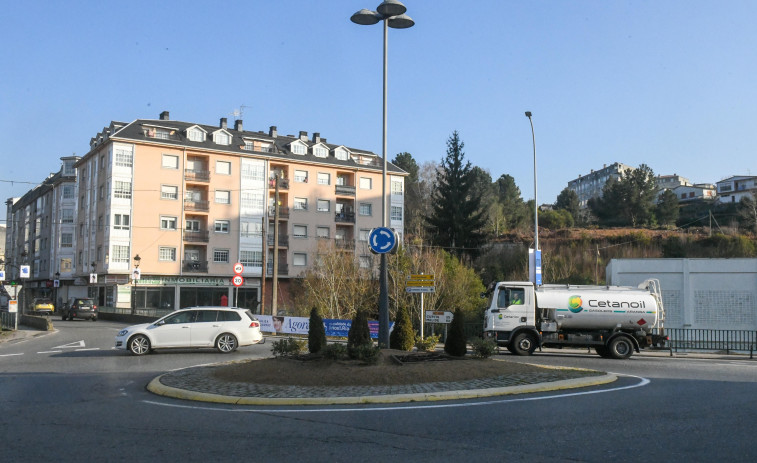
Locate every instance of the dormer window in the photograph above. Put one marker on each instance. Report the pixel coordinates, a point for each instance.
(298, 147)
(320, 151)
(222, 138)
(195, 134)
(342, 154)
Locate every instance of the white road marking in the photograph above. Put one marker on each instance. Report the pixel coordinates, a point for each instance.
(82, 350)
(50, 352)
(10, 355)
(642, 382)
(71, 345)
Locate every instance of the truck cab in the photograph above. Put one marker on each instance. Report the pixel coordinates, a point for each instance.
(511, 314)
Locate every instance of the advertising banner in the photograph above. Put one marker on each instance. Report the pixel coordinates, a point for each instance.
(301, 325)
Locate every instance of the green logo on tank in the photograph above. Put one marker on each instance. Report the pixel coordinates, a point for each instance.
(575, 303)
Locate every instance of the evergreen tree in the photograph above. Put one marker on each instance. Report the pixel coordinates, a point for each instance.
(316, 332)
(666, 210)
(413, 192)
(567, 200)
(513, 206)
(359, 334)
(627, 201)
(455, 344)
(403, 336)
(456, 219)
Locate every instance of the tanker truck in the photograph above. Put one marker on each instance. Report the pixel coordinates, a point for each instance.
(614, 320)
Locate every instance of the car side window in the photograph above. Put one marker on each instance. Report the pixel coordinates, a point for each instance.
(204, 316)
(228, 316)
(183, 317)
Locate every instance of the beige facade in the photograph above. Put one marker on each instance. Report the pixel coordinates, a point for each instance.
(192, 200)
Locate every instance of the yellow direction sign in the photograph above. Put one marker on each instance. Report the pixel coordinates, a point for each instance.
(419, 283)
(421, 277)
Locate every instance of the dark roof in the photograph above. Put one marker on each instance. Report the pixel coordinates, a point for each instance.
(137, 131)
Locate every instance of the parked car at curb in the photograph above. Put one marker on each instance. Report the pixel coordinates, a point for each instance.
(79, 307)
(222, 328)
(43, 305)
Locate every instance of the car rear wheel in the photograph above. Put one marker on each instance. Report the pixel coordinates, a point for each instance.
(63, 317)
(226, 343)
(139, 345)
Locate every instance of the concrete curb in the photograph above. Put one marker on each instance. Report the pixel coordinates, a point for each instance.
(158, 388)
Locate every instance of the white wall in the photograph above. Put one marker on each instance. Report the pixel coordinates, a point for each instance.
(697, 293)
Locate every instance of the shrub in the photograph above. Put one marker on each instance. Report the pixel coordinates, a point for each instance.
(287, 347)
(335, 351)
(483, 348)
(316, 332)
(402, 336)
(366, 353)
(428, 344)
(359, 334)
(455, 343)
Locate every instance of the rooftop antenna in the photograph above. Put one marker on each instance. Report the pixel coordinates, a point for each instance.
(239, 113)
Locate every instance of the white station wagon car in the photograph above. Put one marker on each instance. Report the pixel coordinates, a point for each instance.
(224, 328)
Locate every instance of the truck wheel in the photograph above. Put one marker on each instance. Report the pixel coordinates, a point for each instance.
(620, 348)
(602, 351)
(523, 344)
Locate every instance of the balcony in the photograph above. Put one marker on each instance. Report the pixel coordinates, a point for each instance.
(283, 183)
(345, 244)
(344, 217)
(283, 269)
(199, 236)
(194, 266)
(197, 175)
(196, 206)
(345, 190)
(283, 212)
(283, 240)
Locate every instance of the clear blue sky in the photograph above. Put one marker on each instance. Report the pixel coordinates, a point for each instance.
(667, 83)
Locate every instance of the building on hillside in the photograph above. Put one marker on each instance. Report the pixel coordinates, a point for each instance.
(591, 185)
(182, 202)
(668, 182)
(41, 233)
(698, 192)
(732, 189)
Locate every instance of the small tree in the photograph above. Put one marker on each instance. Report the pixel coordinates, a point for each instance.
(455, 343)
(403, 336)
(316, 332)
(359, 334)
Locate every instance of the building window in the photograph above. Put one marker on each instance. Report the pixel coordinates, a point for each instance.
(122, 189)
(170, 161)
(250, 229)
(322, 232)
(252, 171)
(365, 261)
(396, 213)
(396, 188)
(124, 157)
(102, 192)
(167, 223)
(196, 135)
(221, 256)
(66, 240)
(67, 216)
(299, 259)
(301, 176)
(298, 148)
(120, 254)
(324, 178)
(320, 151)
(167, 254)
(222, 138)
(223, 197)
(223, 168)
(300, 204)
(300, 231)
(251, 258)
(363, 234)
(221, 226)
(121, 221)
(169, 192)
(324, 205)
(366, 209)
(342, 155)
(366, 183)
(68, 191)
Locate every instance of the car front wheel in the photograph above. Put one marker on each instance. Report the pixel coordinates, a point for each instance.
(139, 345)
(226, 343)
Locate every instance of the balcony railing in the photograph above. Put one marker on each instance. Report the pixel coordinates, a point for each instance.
(194, 266)
(283, 212)
(283, 269)
(344, 243)
(199, 236)
(345, 190)
(344, 217)
(197, 175)
(192, 205)
(283, 183)
(283, 240)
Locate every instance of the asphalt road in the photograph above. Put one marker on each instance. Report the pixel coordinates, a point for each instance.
(68, 396)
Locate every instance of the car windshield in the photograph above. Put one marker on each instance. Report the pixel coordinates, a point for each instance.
(44, 301)
(82, 302)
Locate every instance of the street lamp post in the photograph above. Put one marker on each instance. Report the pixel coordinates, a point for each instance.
(135, 275)
(55, 301)
(537, 258)
(392, 13)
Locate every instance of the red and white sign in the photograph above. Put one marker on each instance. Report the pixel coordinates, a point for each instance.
(238, 280)
(238, 268)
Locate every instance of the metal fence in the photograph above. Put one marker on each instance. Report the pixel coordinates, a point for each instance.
(712, 340)
(8, 320)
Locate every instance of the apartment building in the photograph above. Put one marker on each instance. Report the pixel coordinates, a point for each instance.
(41, 233)
(591, 185)
(183, 202)
(668, 182)
(732, 189)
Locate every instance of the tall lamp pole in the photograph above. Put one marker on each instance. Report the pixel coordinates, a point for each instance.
(135, 276)
(392, 13)
(536, 204)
